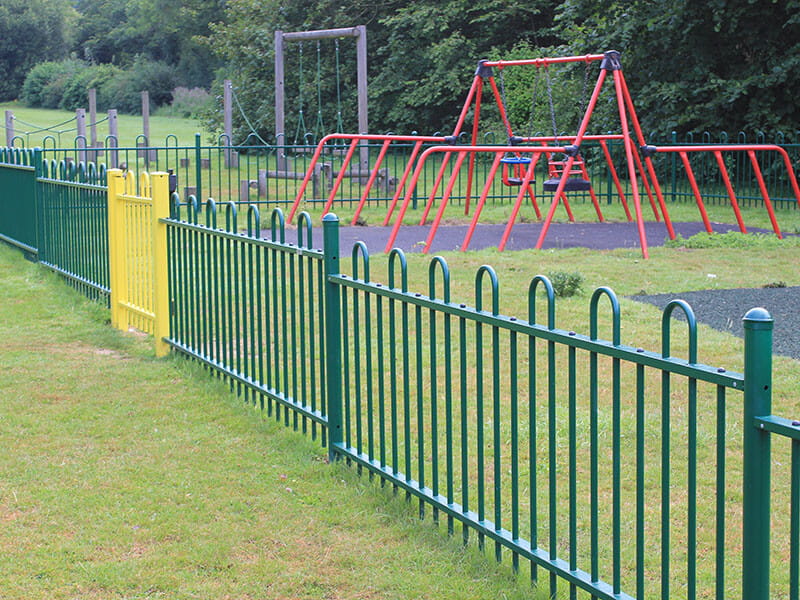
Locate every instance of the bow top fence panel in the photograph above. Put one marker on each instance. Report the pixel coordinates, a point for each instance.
(251, 308)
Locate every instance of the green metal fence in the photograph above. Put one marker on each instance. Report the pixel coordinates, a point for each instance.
(18, 199)
(607, 470)
(610, 470)
(251, 308)
(268, 175)
(73, 224)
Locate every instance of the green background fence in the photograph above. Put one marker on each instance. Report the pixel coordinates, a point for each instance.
(271, 175)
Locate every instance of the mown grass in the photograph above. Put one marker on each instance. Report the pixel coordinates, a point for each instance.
(130, 126)
(134, 477)
(130, 477)
(669, 270)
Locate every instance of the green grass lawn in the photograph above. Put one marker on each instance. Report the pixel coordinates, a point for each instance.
(130, 477)
(130, 126)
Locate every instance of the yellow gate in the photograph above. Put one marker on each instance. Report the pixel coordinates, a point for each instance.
(137, 247)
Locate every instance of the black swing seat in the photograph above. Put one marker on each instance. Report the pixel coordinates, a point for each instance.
(573, 184)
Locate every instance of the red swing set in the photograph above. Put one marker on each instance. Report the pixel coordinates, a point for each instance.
(517, 161)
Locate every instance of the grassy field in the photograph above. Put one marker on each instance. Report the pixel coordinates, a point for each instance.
(130, 477)
(130, 126)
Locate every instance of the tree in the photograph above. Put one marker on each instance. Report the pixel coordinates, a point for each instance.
(117, 31)
(431, 53)
(31, 31)
(698, 65)
(422, 54)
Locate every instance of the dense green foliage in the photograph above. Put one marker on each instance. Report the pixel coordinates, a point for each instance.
(150, 42)
(122, 31)
(422, 56)
(689, 65)
(31, 31)
(723, 64)
(63, 84)
(728, 64)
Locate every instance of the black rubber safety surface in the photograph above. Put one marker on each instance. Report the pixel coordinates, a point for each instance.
(724, 309)
(595, 236)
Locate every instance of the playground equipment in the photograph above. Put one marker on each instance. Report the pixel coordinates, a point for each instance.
(563, 160)
(281, 37)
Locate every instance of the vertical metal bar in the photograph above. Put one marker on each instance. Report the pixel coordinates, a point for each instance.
(433, 349)
(496, 418)
(381, 368)
(406, 391)
(616, 541)
(448, 400)
(594, 488)
(665, 484)
(479, 424)
(160, 281)
(573, 468)
(420, 404)
(640, 470)
(323, 377)
(198, 172)
(259, 318)
(514, 418)
(370, 377)
(719, 579)
(462, 368)
(756, 455)
(346, 396)
(291, 361)
(357, 349)
(552, 459)
(691, 523)
(286, 334)
(305, 359)
(333, 342)
(794, 525)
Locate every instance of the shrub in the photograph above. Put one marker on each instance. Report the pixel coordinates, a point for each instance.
(125, 90)
(566, 284)
(186, 103)
(77, 88)
(45, 83)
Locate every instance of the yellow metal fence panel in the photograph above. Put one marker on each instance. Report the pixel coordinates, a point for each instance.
(138, 253)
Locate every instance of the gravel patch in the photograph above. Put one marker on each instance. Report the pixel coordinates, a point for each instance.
(724, 309)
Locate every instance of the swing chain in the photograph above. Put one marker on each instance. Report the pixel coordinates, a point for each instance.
(319, 126)
(584, 94)
(534, 97)
(552, 107)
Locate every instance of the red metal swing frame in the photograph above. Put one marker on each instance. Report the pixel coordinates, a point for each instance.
(638, 158)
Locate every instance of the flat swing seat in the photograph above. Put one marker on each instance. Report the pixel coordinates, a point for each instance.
(516, 163)
(573, 184)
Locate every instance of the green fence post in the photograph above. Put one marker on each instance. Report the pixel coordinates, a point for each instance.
(37, 201)
(333, 334)
(756, 451)
(198, 172)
